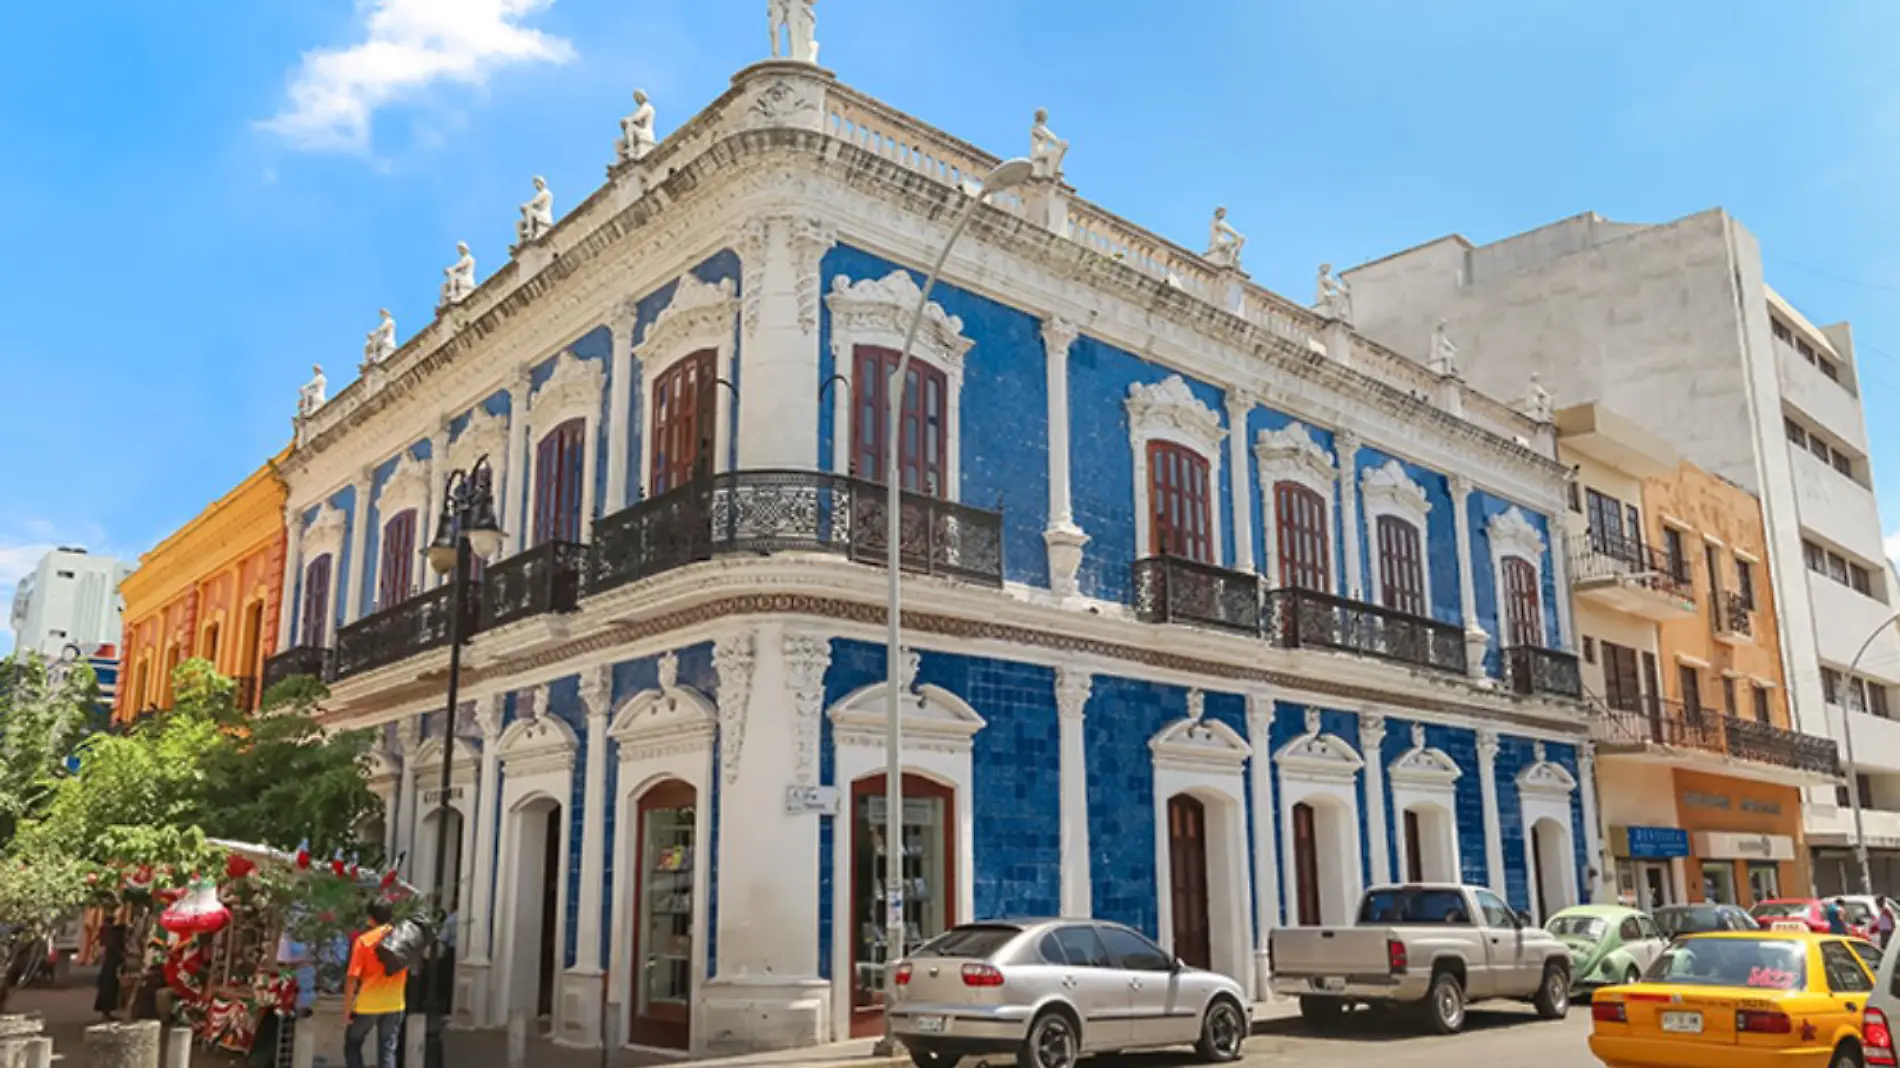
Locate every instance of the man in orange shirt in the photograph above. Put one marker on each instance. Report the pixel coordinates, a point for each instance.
(373, 998)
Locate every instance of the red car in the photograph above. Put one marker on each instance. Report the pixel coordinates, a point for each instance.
(1812, 912)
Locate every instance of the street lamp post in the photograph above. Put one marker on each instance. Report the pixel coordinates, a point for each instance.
(466, 528)
(1006, 175)
(1853, 770)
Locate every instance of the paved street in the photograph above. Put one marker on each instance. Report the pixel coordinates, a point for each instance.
(1505, 1036)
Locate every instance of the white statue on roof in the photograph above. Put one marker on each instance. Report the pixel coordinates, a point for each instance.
(1444, 357)
(1335, 296)
(795, 22)
(380, 343)
(636, 130)
(1045, 148)
(313, 394)
(1224, 242)
(459, 277)
(1537, 400)
(537, 215)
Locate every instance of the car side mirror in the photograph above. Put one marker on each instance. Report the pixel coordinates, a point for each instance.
(1523, 918)
(1176, 965)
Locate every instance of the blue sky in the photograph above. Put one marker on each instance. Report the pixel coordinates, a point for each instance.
(205, 198)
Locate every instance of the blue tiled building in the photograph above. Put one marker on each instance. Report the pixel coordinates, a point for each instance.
(1215, 612)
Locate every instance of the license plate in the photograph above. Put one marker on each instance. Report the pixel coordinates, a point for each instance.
(1329, 983)
(933, 1025)
(1682, 1023)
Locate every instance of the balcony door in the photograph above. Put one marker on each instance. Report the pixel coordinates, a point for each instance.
(1622, 686)
(1523, 607)
(559, 466)
(1179, 505)
(685, 421)
(1300, 534)
(399, 560)
(923, 442)
(314, 629)
(1401, 567)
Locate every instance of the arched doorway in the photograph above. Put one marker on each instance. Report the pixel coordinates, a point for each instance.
(534, 908)
(1429, 849)
(1187, 871)
(1324, 843)
(1550, 847)
(928, 893)
(425, 846)
(663, 898)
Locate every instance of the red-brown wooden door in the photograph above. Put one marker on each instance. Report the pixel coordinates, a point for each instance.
(1523, 617)
(663, 898)
(1187, 872)
(1305, 866)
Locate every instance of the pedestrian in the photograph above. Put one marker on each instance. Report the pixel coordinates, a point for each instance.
(372, 997)
(1883, 923)
(1834, 914)
(105, 1000)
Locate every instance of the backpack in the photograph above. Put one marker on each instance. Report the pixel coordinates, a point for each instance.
(403, 946)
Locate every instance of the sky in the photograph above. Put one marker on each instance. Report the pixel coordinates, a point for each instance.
(203, 199)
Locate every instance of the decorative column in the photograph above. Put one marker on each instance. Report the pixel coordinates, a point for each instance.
(619, 405)
(1476, 640)
(515, 478)
(293, 565)
(1239, 403)
(1346, 444)
(1602, 884)
(409, 735)
(1560, 581)
(1488, 791)
(1073, 686)
(352, 576)
(438, 472)
(478, 920)
(1266, 862)
(1378, 831)
(584, 977)
(780, 285)
(1063, 538)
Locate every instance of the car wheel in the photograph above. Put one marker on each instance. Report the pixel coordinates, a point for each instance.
(1846, 1057)
(1445, 1004)
(1052, 1043)
(1631, 976)
(1553, 994)
(1320, 1012)
(926, 1057)
(1223, 1029)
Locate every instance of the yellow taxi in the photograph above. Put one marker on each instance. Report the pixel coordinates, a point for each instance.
(1741, 999)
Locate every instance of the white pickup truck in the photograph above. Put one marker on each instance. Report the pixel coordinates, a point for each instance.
(1431, 946)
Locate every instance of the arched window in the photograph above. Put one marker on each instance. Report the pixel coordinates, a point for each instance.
(1179, 502)
(1401, 567)
(208, 646)
(314, 629)
(1523, 615)
(923, 431)
(399, 560)
(685, 415)
(1300, 516)
(558, 466)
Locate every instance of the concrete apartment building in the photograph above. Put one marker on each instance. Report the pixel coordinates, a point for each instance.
(71, 598)
(1675, 326)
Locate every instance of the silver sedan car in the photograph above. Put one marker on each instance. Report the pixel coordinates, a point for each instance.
(1052, 991)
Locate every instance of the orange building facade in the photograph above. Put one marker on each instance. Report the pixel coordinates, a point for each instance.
(213, 590)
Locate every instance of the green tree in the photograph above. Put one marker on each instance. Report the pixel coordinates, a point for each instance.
(37, 895)
(42, 719)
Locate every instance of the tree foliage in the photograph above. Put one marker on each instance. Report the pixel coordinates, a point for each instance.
(43, 716)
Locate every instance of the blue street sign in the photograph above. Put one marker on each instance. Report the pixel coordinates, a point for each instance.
(1658, 843)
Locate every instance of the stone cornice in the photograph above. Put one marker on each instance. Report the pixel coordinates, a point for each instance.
(244, 522)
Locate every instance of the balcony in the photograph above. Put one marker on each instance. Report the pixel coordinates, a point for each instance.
(1642, 723)
(766, 512)
(1733, 623)
(1171, 589)
(1532, 669)
(1627, 576)
(416, 625)
(546, 578)
(309, 660)
(1306, 619)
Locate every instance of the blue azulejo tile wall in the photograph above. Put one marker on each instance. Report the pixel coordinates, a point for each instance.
(1289, 723)
(1461, 745)
(1004, 428)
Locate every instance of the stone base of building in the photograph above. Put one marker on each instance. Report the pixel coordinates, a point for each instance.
(578, 1016)
(758, 1013)
(471, 995)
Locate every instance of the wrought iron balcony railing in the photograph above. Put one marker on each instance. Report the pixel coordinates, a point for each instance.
(1172, 589)
(764, 512)
(1594, 557)
(1732, 615)
(1297, 619)
(1533, 669)
(416, 625)
(1647, 720)
(1765, 742)
(314, 661)
(546, 578)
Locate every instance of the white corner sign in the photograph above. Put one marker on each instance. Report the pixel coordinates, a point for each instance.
(804, 800)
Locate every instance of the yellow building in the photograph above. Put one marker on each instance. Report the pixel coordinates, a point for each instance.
(1698, 770)
(212, 590)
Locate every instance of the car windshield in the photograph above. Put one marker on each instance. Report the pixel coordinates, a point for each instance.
(1855, 913)
(1589, 927)
(976, 940)
(1413, 904)
(1780, 908)
(1688, 919)
(1762, 963)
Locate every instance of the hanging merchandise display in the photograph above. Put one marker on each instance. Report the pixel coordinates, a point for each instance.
(198, 912)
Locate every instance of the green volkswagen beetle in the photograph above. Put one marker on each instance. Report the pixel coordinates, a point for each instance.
(1609, 944)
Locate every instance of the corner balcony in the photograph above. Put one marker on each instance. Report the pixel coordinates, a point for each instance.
(1170, 589)
(396, 633)
(539, 581)
(313, 661)
(1531, 669)
(1667, 730)
(755, 513)
(1733, 622)
(1627, 576)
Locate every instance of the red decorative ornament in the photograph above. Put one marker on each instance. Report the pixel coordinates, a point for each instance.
(140, 880)
(237, 866)
(198, 912)
(303, 855)
(337, 867)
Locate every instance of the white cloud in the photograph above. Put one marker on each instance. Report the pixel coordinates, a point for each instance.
(407, 46)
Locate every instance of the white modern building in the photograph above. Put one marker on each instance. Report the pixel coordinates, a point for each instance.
(70, 598)
(1215, 610)
(1675, 326)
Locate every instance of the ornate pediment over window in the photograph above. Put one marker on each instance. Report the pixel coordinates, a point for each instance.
(1388, 490)
(1291, 454)
(571, 392)
(1169, 410)
(485, 434)
(877, 312)
(1196, 744)
(536, 744)
(1423, 765)
(1318, 755)
(1544, 776)
(406, 487)
(325, 532)
(1514, 535)
(934, 719)
(700, 316)
(669, 719)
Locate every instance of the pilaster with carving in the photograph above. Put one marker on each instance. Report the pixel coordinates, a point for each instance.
(619, 406)
(352, 576)
(438, 470)
(1239, 403)
(1346, 444)
(807, 656)
(780, 258)
(408, 816)
(1266, 860)
(1378, 831)
(1488, 792)
(515, 479)
(488, 717)
(1602, 873)
(1063, 539)
(293, 563)
(597, 689)
(732, 659)
(1073, 687)
(1476, 640)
